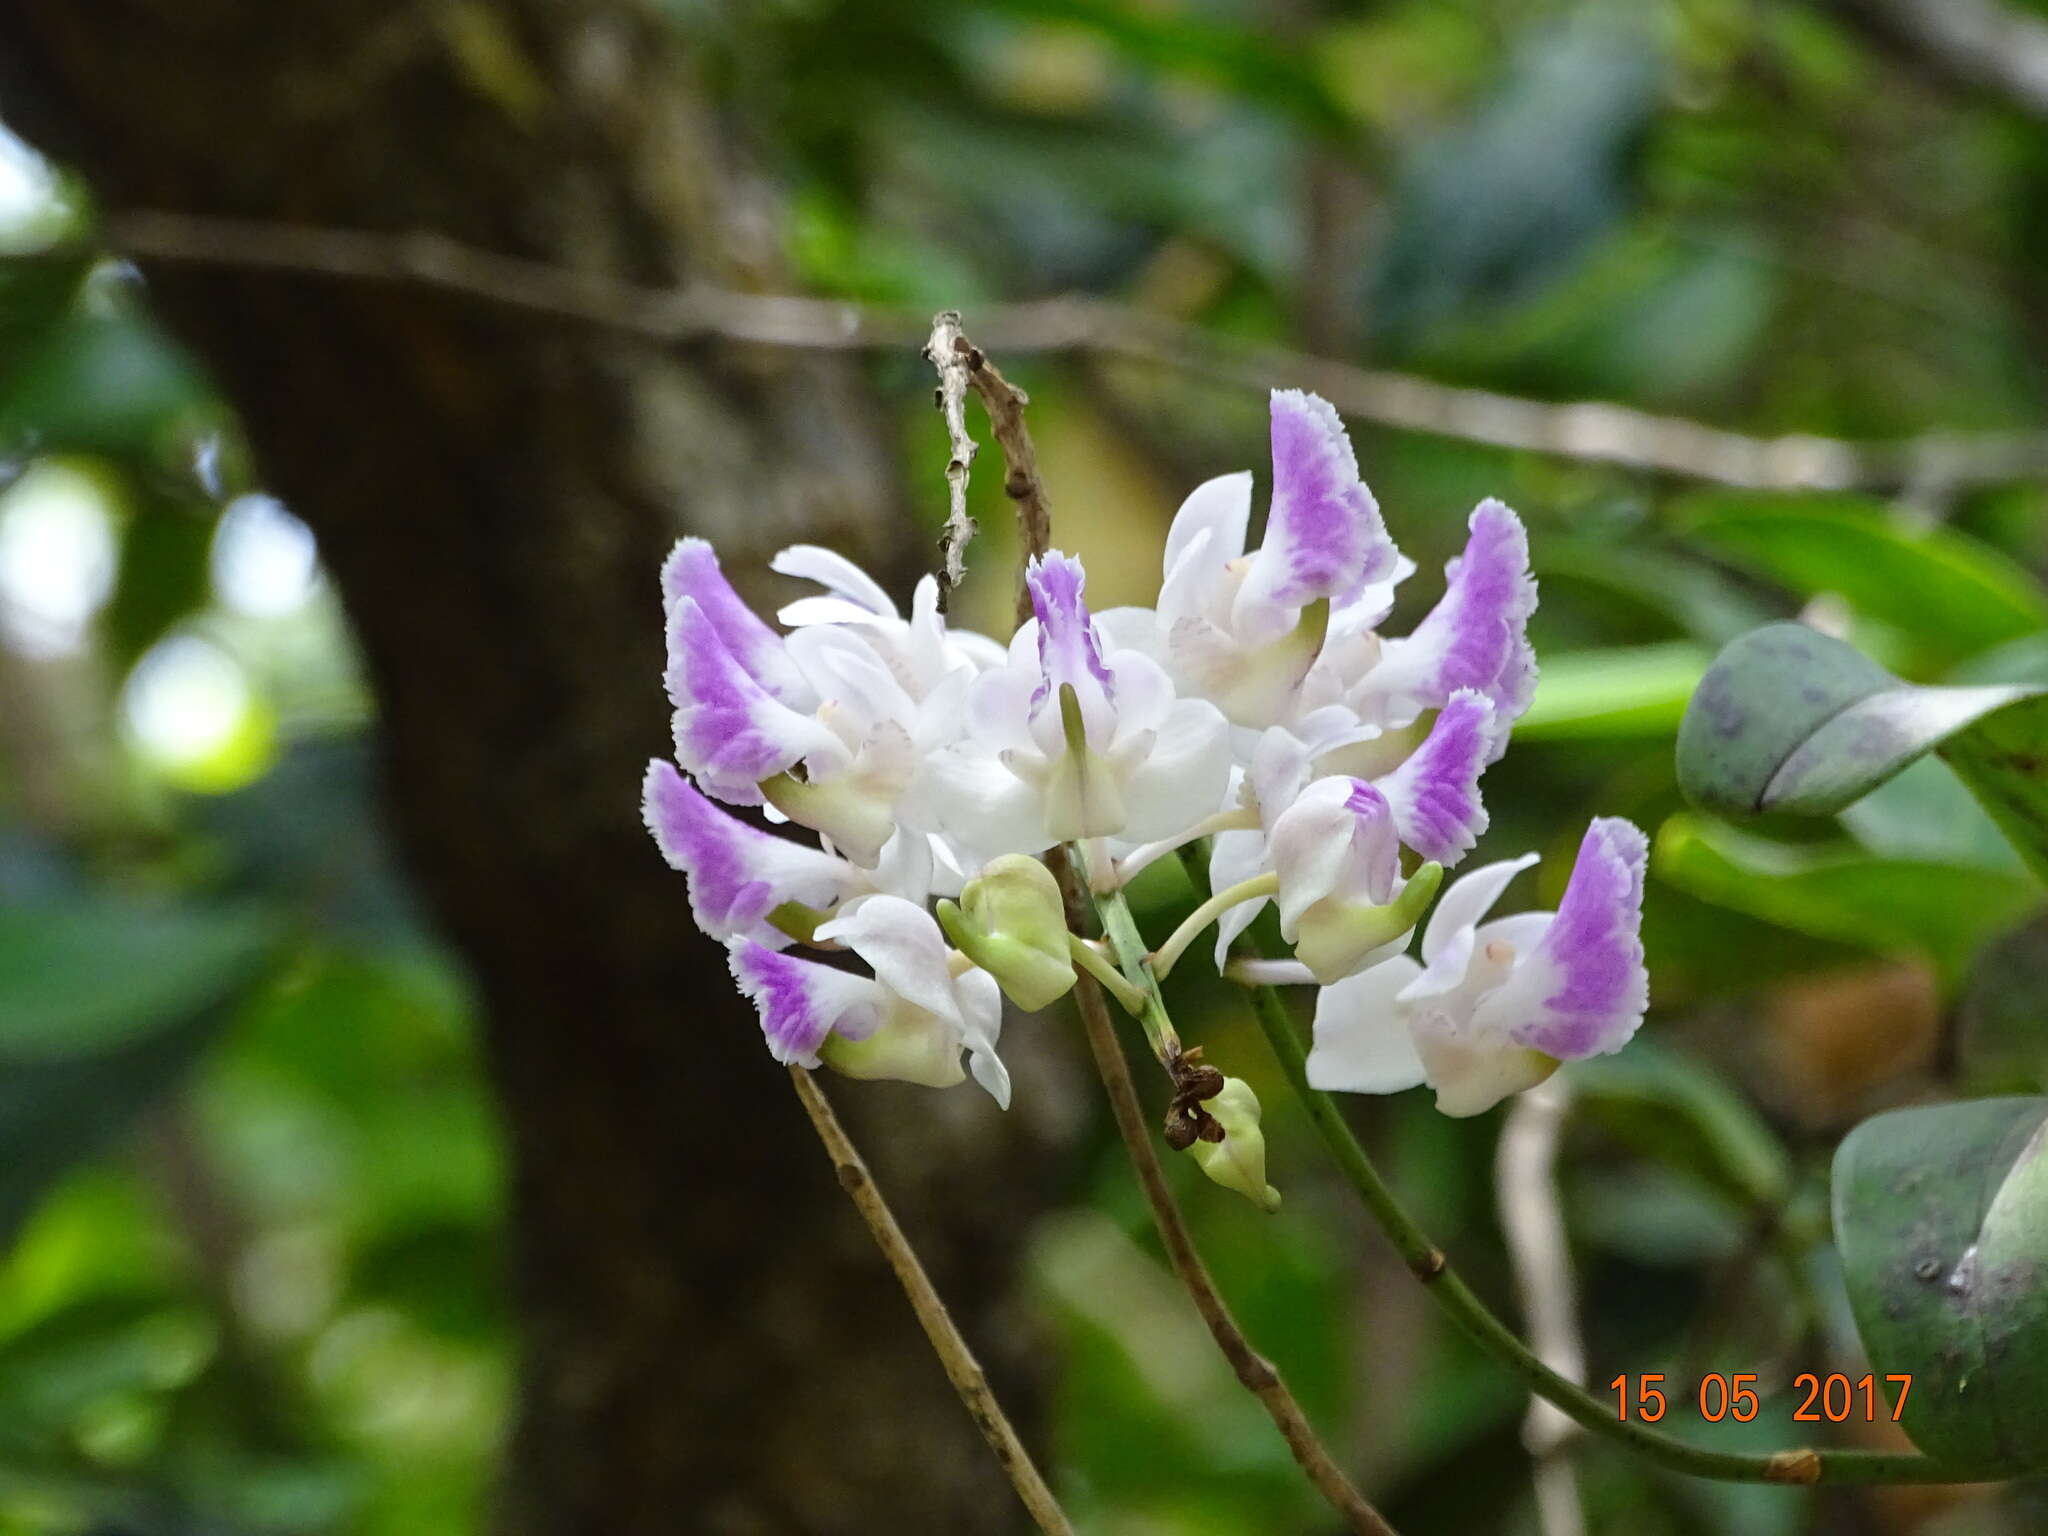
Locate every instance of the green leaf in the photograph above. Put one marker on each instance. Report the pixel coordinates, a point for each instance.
(1945, 911)
(2004, 760)
(1925, 812)
(104, 1006)
(78, 978)
(1788, 719)
(165, 570)
(1679, 1110)
(1953, 595)
(1624, 691)
(1941, 1214)
(2000, 1046)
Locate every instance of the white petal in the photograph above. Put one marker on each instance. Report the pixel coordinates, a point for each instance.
(837, 575)
(981, 805)
(1235, 857)
(1185, 776)
(1215, 517)
(981, 1014)
(1467, 900)
(902, 941)
(1361, 1037)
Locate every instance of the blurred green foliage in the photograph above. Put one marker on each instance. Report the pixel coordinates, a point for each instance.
(248, 1174)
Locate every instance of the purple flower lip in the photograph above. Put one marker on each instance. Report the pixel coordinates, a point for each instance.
(692, 570)
(1595, 944)
(729, 731)
(1435, 793)
(1325, 525)
(792, 1023)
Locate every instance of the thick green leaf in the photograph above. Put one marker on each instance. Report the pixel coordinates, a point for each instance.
(81, 977)
(1941, 1214)
(1953, 595)
(1947, 912)
(2004, 760)
(1788, 719)
(1623, 691)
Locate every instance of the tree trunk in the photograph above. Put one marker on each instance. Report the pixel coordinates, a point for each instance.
(709, 1341)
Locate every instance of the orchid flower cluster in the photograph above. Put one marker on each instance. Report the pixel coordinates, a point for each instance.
(1334, 769)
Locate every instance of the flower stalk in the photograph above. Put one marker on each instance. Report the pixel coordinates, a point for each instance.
(1432, 1267)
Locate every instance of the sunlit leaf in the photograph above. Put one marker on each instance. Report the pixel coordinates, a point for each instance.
(1953, 595)
(1621, 691)
(1941, 1215)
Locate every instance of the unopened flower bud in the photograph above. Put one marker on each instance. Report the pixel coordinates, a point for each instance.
(910, 1048)
(1011, 922)
(1238, 1159)
(1335, 939)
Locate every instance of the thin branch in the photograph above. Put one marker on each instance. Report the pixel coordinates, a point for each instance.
(1525, 1181)
(962, 1369)
(949, 352)
(1589, 431)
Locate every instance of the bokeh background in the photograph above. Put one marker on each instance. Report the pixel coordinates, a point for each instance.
(309, 1182)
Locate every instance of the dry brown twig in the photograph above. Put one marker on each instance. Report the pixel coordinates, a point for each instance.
(1589, 431)
(962, 1369)
(1005, 405)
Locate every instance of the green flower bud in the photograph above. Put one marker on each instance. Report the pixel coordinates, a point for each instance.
(1238, 1161)
(911, 1046)
(1011, 922)
(1333, 938)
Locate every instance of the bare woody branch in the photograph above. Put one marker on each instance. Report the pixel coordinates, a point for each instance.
(955, 359)
(1588, 431)
(962, 1369)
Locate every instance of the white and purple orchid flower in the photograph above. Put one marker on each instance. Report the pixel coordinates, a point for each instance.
(910, 1020)
(1337, 770)
(1068, 741)
(854, 700)
(1494, 1007)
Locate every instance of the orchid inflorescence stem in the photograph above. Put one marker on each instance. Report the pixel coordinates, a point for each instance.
(1430, 1265)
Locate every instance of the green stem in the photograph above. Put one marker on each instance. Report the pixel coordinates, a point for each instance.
(1096, 964)
(1428, 1264)
(1120, 928)
(1165, 957)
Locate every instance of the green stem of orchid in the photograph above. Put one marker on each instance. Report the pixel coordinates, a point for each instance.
(1120, 928)
(1432, 1268)
(1097, 964)
(1168, 954)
